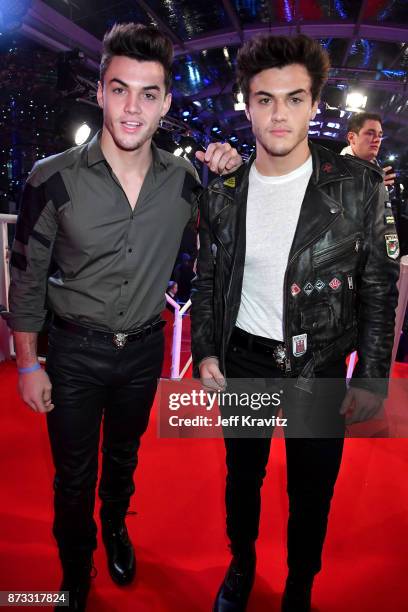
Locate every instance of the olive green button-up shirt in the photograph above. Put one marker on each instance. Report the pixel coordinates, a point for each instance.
(113, 263)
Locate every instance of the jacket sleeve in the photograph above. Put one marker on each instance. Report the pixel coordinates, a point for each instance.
(377, 295)
(202, 319)
(31, 255)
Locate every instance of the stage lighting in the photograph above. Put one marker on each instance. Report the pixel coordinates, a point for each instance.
(178, 151)
(12, 13)
(356, 101)
(82, 134)
(239, 105)
(392, 157)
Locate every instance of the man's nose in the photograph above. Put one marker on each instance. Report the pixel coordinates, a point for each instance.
(132, 104)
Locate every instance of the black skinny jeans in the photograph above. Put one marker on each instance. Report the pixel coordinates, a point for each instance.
(312, 463)
(92, 378)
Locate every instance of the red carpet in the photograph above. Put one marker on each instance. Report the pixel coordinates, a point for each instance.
(179, 528)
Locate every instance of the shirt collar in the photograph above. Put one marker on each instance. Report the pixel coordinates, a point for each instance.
(95, 154)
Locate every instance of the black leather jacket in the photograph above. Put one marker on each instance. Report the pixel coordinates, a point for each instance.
(344, 233)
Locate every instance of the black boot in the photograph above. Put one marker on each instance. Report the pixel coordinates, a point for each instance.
(119, 549)
(297, 596)
(236, 587)
(77, 581)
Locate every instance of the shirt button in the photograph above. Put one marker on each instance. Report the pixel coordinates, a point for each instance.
(333, 211)
(121, 313)
(129, 250)
(125, 282)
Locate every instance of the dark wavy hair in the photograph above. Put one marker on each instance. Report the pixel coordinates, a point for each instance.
(357, 121)
(263, 52)
(143, 43)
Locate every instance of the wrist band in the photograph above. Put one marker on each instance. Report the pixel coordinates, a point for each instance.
(33, 368)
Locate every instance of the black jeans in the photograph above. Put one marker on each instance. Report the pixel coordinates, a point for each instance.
(92, 378)
(312, 463)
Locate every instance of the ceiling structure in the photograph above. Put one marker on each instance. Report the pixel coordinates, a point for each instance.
(367, 41)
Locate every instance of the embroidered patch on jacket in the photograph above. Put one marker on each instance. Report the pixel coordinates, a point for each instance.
(295, 289)
(335, 283)
(319, 285)
(327, 168)
(392, 245)
(389, 219)
(308, 288)
(230, 182)
(299, 345)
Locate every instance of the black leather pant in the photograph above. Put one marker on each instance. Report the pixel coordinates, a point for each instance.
(92, 378)
(313, 464)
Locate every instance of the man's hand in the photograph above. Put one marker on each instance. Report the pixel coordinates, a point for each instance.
(360, 405)
(220, 157)
(35, 390)
(389, 176)
(210, 374)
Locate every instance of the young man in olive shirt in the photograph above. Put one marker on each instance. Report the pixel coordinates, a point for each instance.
(102, 211)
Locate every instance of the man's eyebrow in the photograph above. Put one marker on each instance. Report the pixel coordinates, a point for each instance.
(291, 93)
(116, 80)
(147, 87)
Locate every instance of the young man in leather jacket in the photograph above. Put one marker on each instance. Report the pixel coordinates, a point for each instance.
(297, 267)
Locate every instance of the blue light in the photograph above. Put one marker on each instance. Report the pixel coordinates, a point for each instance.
(394, 73)
(386, 11)
(193, 73)
(288, 12)
(186, 113)
(177, 77)
(340, 9)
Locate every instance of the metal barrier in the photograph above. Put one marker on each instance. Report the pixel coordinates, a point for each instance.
(6, 339)
(177, 334)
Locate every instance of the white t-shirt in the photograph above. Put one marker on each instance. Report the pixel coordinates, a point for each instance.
(273, 209)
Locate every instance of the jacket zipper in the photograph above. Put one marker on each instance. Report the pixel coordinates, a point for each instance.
(339, 249)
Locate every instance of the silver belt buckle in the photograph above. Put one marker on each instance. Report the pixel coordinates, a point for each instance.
(279, 353)
(119, 340)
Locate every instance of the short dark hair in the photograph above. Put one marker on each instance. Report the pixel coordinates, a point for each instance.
(263, 52)
(140, 42)
(357, 121)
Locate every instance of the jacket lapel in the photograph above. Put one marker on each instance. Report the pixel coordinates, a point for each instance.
(319, 209)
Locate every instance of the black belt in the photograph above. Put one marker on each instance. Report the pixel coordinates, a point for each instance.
(119, 339)
(258, 344)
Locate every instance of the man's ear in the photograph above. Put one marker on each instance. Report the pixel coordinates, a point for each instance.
(99, 94)
(248, 114)
(351, 137)
(313, 110)
(166, 104)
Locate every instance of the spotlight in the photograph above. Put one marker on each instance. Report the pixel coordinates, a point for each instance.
(186, 113)
(239, 104)
(82, 134)
(336, 126)
(178, 152)
(215, 128)
(392, 157)
(356, 101)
